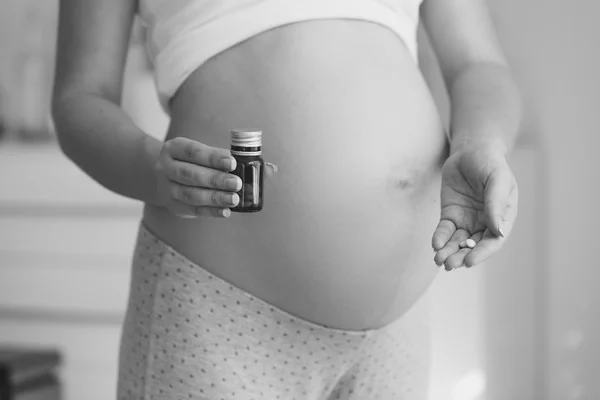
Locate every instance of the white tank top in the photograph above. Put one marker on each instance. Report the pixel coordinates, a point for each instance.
(183, 34)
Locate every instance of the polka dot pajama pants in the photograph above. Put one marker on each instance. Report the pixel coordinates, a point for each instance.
(188, 334)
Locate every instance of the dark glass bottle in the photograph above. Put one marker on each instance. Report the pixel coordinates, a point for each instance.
(246, 148)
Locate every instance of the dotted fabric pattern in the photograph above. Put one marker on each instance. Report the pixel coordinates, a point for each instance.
(188, 334)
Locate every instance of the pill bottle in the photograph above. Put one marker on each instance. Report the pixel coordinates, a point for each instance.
(246, 148)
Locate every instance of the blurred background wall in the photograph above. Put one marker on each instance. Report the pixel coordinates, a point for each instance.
(523, 327)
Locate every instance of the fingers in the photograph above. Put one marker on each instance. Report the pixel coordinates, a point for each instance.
(500, 199)
(490, 243)
(270, 169)
(458, 259)
(195, 164)
(500, 208)
(442, 234)
(454, 256)
(191, 151)
(195, 196)
(192, 202)
(197, 179)
(500, 192)
(195, 175)
(487, 243)
(451, 247)
(187, 212)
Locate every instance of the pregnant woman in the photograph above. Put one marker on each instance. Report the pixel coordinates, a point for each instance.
(322, 294)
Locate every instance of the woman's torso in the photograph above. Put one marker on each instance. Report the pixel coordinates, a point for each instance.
(344, 235)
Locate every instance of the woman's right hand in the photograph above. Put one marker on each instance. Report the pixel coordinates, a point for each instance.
(193, 179)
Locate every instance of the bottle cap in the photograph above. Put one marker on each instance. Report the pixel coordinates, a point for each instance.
(246, 138)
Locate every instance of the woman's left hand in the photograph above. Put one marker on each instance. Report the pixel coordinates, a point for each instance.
(479, 202)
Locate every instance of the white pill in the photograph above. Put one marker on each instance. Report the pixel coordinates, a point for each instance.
(471, 243)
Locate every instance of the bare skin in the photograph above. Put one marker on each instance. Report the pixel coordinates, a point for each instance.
(343, 238)
(345, 235)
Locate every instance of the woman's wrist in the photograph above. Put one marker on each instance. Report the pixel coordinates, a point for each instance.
(486, 143)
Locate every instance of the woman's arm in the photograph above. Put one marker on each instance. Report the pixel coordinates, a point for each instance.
(93, 130)
(485, 102)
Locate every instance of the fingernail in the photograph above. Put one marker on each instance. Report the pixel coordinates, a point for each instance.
(463, 244)
(233, 198)
(227, 163)
(500, 228)
(226, 212)
(233, 184)
(275, 168)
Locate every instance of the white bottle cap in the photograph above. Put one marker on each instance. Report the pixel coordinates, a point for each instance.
(246, 138)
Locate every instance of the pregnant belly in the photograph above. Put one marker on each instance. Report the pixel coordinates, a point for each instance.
(344, 236)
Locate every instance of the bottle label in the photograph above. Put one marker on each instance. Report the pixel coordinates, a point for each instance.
(246, 153)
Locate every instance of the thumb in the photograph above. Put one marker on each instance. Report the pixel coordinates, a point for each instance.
(497, 195)
(270, 169)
